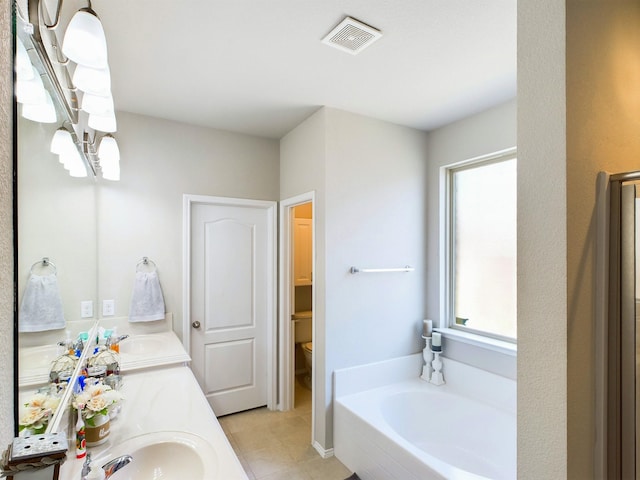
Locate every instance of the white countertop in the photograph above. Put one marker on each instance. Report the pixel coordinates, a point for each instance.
(167, 399)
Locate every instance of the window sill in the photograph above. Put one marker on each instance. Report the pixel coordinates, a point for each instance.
(488, 343)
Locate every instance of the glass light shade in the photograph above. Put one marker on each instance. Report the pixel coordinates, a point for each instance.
(74, 163)
(109, 155)
(69, 156)
(84, 41)
(96, 81)
(24, 68)
(32, 90)
(41, 112)
(97, 104)
(103, 123)
(112, 172)
(61, 141)
(108, 149)
(78, 170)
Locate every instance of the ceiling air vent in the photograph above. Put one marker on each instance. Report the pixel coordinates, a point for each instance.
(352, 36)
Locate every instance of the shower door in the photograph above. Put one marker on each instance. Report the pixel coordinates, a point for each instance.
(624, 336)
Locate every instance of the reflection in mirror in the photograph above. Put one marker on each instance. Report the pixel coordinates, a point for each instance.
(56, 219)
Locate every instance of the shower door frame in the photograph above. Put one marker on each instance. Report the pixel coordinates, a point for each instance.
(620, 346)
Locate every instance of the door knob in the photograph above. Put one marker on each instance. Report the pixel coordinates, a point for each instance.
(196, 324)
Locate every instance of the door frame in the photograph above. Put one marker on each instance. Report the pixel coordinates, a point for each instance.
(270, 206)
(286, 351)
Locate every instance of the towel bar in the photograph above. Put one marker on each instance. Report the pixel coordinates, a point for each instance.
(406, 268)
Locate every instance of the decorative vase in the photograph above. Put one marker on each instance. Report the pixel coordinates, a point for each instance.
(97, 430)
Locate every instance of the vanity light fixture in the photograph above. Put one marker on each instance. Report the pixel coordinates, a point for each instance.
(43, 112)
(96, 81)
(65, 147)
(84, 41)
(31, 89)
(37, 104)
(61, 140)
(103, 123)
(109, 155)
(24, 68)
(97, 104)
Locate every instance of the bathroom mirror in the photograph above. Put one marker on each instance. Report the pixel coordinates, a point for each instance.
(56, 219)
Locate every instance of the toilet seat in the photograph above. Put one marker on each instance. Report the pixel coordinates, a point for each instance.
(308, 346)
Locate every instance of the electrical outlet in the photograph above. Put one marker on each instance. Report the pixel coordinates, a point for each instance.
(108, 308)
(86, 309)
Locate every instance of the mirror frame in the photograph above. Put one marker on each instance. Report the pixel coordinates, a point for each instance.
(14, 154)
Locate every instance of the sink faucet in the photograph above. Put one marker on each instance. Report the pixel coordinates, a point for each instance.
(116, 464)
(109, 468)
(114, 341)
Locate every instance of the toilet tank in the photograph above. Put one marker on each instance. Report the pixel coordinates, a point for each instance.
(303, 326)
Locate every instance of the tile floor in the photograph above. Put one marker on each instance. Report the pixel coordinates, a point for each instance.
(277, 445)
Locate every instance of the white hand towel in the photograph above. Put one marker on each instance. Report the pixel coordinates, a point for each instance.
(147, 302)
(41, 306)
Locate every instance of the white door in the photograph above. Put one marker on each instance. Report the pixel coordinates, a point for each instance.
(302, 254)
(232, 291)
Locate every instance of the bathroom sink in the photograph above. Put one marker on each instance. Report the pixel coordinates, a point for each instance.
(151, 350)
(38, 358)
(143, 344)
(164, 455)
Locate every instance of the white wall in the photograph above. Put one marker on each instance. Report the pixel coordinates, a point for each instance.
(375, 217)
(542, 242)
(480, 134)
(302, 170)
(370, 179)
(142, 214)
(97, 231)
(56, 219)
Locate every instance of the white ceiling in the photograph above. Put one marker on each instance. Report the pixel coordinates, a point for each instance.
(259, 67)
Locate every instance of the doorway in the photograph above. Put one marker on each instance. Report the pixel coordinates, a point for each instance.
(297, 322)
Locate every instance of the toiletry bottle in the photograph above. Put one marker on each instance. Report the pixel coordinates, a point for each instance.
(68, 342)
(115, 346)
(81, 441)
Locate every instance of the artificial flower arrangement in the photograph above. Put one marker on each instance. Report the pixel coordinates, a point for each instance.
(96, 399)
(36, 412)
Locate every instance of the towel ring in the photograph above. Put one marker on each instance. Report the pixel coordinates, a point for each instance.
(145, 262)
(44, 263)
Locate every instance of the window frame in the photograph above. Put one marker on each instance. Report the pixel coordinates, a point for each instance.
(447, 259)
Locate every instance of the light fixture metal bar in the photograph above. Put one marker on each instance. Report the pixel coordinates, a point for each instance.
(30, 29)
(70, 109)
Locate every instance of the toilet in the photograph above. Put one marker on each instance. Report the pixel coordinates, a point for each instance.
(304, 340)
(307, 349)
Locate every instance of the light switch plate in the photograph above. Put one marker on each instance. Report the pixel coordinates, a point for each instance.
(86, 309)
(108, 308)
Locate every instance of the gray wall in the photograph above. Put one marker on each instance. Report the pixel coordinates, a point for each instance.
(370, 179)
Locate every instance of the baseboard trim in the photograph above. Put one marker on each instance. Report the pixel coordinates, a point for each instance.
(324, 453)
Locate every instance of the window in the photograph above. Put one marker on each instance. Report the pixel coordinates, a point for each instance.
(481, 256)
